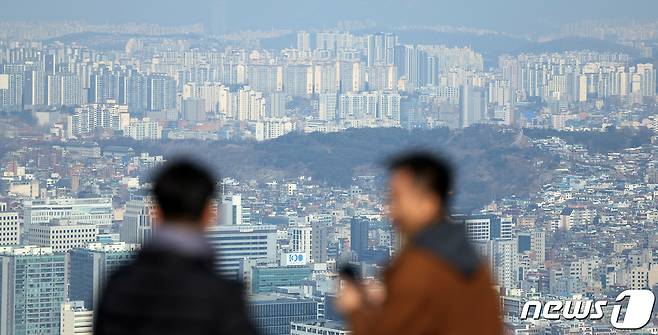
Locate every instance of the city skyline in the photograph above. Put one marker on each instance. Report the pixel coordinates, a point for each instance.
(548, 112)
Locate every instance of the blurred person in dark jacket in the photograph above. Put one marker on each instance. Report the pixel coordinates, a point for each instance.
(437, 283)
(171, 287)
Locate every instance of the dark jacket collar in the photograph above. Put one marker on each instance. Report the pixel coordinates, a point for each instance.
(447, 241)
(180, 243)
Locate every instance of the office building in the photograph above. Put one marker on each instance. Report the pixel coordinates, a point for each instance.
(76, 319)
(138, 220)
(92, 211)
(33, 281)
(503, 259)
(231, 210)
(273, 314)
(324, 327)
(234, 243)
(9, 226)
(266, 279)
(91, 267)
(485, 227)
(61, 234)
(359, 230)
(301, 240)
(320, 240)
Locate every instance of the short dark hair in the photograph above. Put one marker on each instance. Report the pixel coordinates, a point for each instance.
(429, 171)
(182, 190)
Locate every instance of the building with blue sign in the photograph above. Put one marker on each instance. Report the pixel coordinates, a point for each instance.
(266, 279)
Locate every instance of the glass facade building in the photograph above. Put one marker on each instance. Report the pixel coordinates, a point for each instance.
(273, 314)
(267, 279)
(233, 243)
(32, 289)
(91, 267)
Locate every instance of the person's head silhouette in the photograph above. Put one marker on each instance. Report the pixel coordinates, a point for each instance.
(184, 191)
(420, 188)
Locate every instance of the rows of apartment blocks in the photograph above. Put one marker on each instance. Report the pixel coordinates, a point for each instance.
(195, 85)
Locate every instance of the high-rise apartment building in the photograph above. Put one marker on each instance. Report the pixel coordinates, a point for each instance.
(271, 128)
(303, 41)
(473, 105)
(90, 117)
(143, 129)
(161, 92)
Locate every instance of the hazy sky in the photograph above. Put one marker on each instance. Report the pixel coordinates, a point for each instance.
(506, 15)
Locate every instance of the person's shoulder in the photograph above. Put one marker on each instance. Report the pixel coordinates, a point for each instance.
(446, 245)
(434, 267)
(227, 286)
(120, 280)
(415, 266)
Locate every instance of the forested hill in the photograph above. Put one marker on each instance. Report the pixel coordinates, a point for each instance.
(488, 162)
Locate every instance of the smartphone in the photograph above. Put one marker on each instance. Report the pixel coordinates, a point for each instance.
(350, 272)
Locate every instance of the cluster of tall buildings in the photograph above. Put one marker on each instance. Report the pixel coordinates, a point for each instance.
(577, 76)
(331, 80)
(53, 272)
(339, 73)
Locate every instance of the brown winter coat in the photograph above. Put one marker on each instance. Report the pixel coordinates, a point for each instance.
(436, 285)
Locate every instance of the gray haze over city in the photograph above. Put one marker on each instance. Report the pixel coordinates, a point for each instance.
(516, 16)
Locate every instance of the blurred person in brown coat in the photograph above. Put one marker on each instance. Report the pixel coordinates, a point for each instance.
(437, 284)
